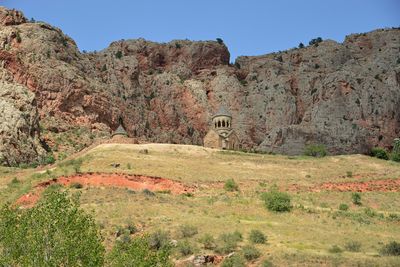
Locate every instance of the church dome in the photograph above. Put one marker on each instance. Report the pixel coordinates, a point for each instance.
(120, 131)
(222, 111)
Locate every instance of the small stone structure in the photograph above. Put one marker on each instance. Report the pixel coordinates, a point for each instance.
(221, 135)
(120, 131)
(120, 135)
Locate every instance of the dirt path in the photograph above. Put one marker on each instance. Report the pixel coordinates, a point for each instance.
(134, 182)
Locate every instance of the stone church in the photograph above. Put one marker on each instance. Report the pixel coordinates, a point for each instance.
(221, 135)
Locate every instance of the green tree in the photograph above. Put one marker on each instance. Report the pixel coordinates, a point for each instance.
(56, 232)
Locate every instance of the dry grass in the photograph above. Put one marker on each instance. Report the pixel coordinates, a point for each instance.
(302, 236)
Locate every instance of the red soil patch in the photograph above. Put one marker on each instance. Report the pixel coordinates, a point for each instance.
(135, 182)
(387, 185)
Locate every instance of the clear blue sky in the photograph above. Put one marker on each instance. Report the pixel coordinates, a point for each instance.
(248, 27)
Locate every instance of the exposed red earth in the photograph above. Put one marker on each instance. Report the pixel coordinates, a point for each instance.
(134, 182)
(383, 185)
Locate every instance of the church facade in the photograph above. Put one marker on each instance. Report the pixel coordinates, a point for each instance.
(221, 134)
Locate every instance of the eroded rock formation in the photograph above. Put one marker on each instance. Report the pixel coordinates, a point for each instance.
(345, 96)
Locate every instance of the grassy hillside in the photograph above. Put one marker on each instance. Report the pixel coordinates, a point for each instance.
(303, 237)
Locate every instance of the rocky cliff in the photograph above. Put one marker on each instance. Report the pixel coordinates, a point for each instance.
(344, 95)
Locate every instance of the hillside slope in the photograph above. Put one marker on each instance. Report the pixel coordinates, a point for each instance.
(305, 236)
(342, 95)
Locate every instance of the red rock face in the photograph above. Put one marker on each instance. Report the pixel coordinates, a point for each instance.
(11, 17)
(342, 95)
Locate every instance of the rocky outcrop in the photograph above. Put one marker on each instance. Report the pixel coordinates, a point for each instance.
(343, 95)
(19, 127)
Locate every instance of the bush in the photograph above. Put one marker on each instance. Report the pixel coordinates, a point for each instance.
(55, 232)
(185, 248)
(335, 249)
(277, 201)
(207, 241)
(147, 192)
(231, 185)
(234, 261)
(49, 159)
(188, 230)
(315, 41)
(396, 144)
(220, 41)
(356, 198)
(228, 242)
(76, 185)
(138, 252)
(159, 240)
(301, 45)
(349, 174)
(379, 153)
(391, 249)
(250, 253)
(257, 237)
(343, 207)
(395, 157)
(353, 246)
(318, 151)
(14, 182)
(118, 54)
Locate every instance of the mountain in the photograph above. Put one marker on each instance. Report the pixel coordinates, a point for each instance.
(56, 99)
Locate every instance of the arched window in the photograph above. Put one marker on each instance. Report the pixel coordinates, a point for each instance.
(215, 124)
(219, 124)
(223, 123)
(228, 124)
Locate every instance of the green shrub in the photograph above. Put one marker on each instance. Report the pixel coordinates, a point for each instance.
(379, 153)
(118, 54)
(396, 145)
(14, 182)
(391, 249)
(301, 45)
(159, 239)
(188, 230)
(315, 41)
(257, 237)
(147, 192)
(231, 185)
(220, 41)
(318, 151)
(208, 241)
(277, 201)
(48, 234)
(76, 185)
(49, 159)
(335, 249)
(138, 252)
(356, 198)
(250, 252)
(227, 242)
(185, 248)
(349, 174)
(353, 246)
(343, 207)
(234, 261)
(128, 166)
(395, 157)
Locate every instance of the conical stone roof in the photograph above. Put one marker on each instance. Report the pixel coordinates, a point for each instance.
(222, 111)
(120, 131)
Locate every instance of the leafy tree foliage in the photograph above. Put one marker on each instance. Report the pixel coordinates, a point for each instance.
(56, 232)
